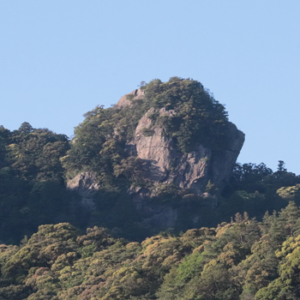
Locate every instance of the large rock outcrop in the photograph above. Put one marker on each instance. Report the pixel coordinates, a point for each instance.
(166, 165)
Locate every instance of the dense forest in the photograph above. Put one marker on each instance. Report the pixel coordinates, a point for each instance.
(245, 245)
(241, 259)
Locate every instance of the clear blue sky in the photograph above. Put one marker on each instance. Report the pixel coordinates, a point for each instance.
(59, 59)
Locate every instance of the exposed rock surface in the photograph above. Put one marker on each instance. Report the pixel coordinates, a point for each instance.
(86, 184)
(223, 161)
(156, 149)
(124, 101)
(191, 170)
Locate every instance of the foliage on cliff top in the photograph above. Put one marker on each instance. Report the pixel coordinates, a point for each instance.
(198, 118)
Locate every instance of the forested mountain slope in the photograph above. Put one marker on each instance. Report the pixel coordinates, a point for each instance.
(165, 149)
(148, 180)
(162, 159)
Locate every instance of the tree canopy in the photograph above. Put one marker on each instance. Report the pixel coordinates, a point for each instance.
(241, 259)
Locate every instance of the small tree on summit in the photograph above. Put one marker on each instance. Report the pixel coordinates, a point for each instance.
(25, 127)
(142, 85)
(280, 167)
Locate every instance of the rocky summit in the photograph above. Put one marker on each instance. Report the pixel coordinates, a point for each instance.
(161, 140)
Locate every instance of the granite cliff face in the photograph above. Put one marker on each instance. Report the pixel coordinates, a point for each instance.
(190, 170)
(166, 165)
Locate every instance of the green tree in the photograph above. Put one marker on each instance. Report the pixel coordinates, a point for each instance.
(25, 128)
